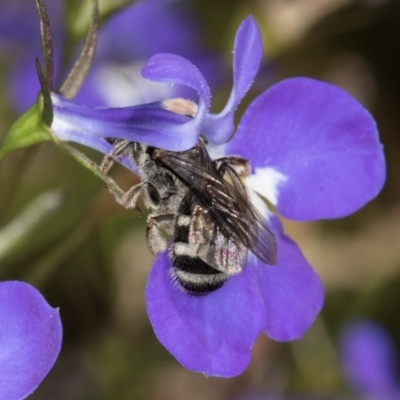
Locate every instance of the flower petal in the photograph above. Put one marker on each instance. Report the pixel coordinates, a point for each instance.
(212, 334)
(320, 145)
(218, 128)
(148, 123)
(292, 292)
(176, 69)
(101, 145)
(368, 359)
(30, 339)
(112, 84)
(153, 26)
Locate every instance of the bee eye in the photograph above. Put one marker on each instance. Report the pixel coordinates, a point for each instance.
(154, 196)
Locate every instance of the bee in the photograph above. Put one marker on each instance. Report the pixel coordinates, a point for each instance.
(201, 212)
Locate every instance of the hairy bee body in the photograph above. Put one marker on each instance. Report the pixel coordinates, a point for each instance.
(189, 271)
(205, 222)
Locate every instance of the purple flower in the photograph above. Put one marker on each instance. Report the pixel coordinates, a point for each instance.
(30, 339)
(20, 45)
(114, 80)
(368, 359)
(154, 123)
(314, 153)
(152, 26)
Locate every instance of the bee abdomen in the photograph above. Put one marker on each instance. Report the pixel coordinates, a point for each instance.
(192, 274)
(182, 229)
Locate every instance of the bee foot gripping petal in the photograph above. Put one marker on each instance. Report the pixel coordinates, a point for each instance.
(211, 334)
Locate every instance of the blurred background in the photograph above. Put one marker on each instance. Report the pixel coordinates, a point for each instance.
(61, 230)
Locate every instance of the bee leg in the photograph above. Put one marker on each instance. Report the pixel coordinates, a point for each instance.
(156, 240)
(235, 172)
(239, 164)
(130, 198)
(116, 152)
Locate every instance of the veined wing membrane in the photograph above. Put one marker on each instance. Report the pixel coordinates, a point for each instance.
(229, 211)
(214, 244)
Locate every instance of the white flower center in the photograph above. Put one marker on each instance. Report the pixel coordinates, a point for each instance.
(266, 181)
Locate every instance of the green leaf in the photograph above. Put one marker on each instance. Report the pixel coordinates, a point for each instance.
(29, 129)
(26, 131)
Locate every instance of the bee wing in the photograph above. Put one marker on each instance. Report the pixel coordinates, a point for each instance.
(215, 244)
(230, 213)
(265, 247)
(247, 223)
(193, 167)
